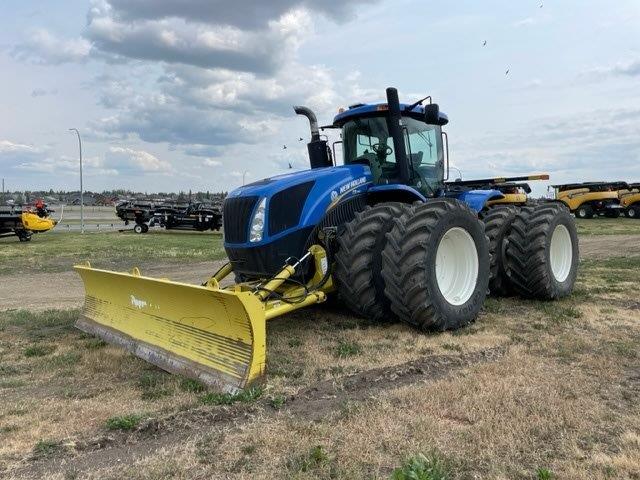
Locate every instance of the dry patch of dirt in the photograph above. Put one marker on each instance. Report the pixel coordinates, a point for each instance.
(41, 291)
(604, 246)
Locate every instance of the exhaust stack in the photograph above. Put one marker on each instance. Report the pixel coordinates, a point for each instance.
(319, 156)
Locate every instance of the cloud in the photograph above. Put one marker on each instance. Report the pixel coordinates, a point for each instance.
(128, 160)
(7, 147)
(210, 162)
(593, 145)
(41, 92)
(43, 47)
(525, 22)
(244, 14)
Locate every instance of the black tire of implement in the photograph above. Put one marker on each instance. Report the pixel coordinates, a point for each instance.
(528, 252)
(358, 261)
(408, 265)
(633, 211)
(497, 226)
(138, 228)
(587, 209)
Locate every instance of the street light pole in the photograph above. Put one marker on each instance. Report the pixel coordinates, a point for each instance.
(81, 187)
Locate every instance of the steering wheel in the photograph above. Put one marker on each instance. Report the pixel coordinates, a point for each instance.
(381, 149)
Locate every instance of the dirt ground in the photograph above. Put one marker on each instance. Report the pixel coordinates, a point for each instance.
(531, 390)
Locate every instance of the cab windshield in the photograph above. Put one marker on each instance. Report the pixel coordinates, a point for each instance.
(367, 141)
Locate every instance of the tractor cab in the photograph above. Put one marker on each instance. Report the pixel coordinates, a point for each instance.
(368, 139)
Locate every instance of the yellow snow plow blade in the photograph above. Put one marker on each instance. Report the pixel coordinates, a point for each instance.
(214, 335)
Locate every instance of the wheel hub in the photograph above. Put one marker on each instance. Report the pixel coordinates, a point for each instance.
(561, 253)
(457, 266)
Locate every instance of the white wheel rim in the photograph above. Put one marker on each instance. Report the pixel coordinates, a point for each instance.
(561, 253)
(457, 266)
(631, 212)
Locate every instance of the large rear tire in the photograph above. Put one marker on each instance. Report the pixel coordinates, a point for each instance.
(497, 225)
(436, 265)
(359, 263)
(542, 252)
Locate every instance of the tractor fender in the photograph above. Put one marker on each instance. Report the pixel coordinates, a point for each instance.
(477, 199)
(394, 193)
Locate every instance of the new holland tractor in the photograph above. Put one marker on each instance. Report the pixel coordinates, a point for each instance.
(381, 230)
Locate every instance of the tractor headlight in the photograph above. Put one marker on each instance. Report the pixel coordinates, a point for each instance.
(257, 222)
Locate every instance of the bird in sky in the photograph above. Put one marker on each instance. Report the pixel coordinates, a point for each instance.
(284, 147)
(300, 139)
(507, 72)
(484, 44)
(290, 166)
(541, 5)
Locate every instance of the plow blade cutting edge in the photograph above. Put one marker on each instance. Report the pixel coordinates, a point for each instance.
(217, 336)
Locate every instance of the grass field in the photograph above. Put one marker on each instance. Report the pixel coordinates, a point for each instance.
(56, 252)
(531, 390)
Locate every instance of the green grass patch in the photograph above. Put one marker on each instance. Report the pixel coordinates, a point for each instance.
(315, 458)
(347, 349)
(608, 226)
(39, 350)
(421, 467)
(124, 422)
(544, 474)
(155, 385)
(245, 396)
(12, 383)
(278, 401)
(46, 325)
(46, 448)
(94, 344)
(56, 252)
(68, 359)
(191, 385)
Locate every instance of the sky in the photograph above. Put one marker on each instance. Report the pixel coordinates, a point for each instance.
(175, 95)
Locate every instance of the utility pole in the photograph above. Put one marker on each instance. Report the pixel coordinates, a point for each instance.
(244, 175)
(81, 187)
(3, 190)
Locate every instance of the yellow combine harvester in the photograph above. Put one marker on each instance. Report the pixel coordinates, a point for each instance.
(630, 200)
(589, 199)
(384, 230)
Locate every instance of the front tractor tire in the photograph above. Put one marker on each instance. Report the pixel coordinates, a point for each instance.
(497, 224)
(436, 265)
(542, 252)
(359, 261)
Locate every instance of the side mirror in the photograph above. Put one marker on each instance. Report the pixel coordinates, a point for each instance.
(432, 114)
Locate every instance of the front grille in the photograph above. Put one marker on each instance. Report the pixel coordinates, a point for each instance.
(237, 215)
(286, 206)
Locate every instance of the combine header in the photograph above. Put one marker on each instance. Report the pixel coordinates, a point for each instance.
(589, 199)
(193, 216)
(384, 230)
(513, 192)
(24, 221)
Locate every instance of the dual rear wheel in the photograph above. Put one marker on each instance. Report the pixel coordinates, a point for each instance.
(432, 264)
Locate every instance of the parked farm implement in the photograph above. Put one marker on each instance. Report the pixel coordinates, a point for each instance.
(385, 231)
(197, 216)
(630, 200)
(591, 199)
(514, 191)
(25, 220)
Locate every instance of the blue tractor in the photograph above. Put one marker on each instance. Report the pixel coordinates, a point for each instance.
(385, 231)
